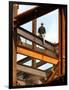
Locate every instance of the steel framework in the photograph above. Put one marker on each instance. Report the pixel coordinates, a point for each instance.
(46, 55)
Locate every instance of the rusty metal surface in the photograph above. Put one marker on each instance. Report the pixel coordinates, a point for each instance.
(30, 70)
(37, 55)
(31, 14)
(32, 37)
(40, 50)
(23, 60)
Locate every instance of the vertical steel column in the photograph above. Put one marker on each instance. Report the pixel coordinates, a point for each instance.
(15, 8)
(60, 40)
(63, 42)
(34, 22)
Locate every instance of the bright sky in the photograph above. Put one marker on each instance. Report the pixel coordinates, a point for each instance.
(24, 8)
(50, 21)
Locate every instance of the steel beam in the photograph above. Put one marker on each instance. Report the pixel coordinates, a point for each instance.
(30, 70)
(34, 54)
(40, 63)
(31, 14)
(23, 60)
(42, 51)
(34, 24)
(39, 50)
(53, 74)
(32, 37)
(14, 9)
(63, 42)
(29, 58)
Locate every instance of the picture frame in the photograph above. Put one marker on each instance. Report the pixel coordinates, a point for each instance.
(16, 47)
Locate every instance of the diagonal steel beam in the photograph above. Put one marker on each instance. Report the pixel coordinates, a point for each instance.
(23, 60)
(31, 14)
(54, 71)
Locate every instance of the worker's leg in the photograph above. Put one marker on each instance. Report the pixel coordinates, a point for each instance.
(40, 35)
(43, 36)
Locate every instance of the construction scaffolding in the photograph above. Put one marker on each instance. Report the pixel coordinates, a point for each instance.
(30, 75)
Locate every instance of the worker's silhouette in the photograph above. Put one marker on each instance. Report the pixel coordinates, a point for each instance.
(42, 32)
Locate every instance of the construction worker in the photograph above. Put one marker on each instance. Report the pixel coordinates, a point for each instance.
(42, 32)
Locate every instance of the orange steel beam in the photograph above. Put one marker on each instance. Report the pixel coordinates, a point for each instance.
(53, 74)
(42, 51)
(28, 52)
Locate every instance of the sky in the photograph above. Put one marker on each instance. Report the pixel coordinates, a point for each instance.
(50, 21)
